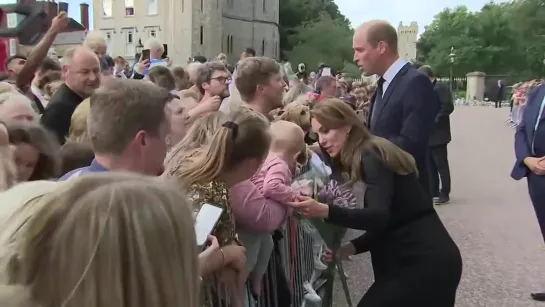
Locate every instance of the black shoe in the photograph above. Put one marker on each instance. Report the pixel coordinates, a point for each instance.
(441, 200)
(539, 296)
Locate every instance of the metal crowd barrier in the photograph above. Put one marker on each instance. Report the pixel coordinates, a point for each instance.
(293, 262)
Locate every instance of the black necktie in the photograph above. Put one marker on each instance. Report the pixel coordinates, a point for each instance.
(378, 97)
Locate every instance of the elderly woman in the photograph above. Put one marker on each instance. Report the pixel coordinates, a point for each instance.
(15, 107)
(96, 41)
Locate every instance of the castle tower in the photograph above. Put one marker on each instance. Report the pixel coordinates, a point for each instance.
(407, 37)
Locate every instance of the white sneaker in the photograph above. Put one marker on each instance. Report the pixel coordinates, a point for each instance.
(318, 264)
(310, 295)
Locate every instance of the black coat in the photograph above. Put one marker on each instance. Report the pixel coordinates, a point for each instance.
(415, 261)
(441, 132)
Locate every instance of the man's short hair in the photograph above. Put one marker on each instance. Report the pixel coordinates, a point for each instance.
(199, 58)
(382, 31)
(14, 57)
(427, 70)
(120, 109)
(250, 51)
(254, 71)
(163, 77)
(207, 70)
(324, 81)
(49, 64)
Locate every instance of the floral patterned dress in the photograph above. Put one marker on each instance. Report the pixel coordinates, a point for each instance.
(215, 193)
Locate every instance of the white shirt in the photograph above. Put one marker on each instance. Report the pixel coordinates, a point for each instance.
(390, 74)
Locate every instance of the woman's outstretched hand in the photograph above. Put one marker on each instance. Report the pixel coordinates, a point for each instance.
(309, 207)
(344, 253)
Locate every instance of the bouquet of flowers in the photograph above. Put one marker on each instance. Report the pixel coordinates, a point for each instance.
(315, 181)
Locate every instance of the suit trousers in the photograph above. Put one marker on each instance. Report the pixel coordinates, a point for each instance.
(536, 189)
(439, 171)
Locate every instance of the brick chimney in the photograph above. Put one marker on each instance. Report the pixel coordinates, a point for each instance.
(84, 14)
(51, 9)
(63, 6)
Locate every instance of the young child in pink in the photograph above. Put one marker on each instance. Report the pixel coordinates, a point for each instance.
(273, 180)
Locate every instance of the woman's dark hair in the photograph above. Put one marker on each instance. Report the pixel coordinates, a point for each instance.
(49, 164)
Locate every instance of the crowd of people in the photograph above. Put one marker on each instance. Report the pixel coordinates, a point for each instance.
(104, 165)
(519, 99)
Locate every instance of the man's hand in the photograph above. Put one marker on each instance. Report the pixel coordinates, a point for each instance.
(142, 66)
(536, 165)
(60, 22)
(212, 104)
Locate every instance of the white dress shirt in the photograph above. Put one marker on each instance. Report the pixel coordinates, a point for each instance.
(390, 74)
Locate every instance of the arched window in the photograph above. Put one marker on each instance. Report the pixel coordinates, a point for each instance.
(263, 47)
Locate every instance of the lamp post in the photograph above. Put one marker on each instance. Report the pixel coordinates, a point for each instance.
(452, 57)
(139, 46)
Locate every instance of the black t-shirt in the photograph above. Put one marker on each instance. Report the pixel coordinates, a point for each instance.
(58, 113)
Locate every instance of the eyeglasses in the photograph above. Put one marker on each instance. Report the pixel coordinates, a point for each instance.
(222, 79)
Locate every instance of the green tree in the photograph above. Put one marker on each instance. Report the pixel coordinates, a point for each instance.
(324, 40)
(504, 38)
(310, 31)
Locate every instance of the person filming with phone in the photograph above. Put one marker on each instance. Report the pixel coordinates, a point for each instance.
(153, 55)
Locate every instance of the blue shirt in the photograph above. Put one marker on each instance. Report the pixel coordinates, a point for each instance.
(153, 63)
(95, 167)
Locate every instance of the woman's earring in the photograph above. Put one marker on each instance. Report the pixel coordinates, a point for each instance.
(167, 140)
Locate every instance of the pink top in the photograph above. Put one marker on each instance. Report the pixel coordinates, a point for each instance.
(259, 204)
(274, 179)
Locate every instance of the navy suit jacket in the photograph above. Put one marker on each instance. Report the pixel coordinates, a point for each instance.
(407, 115)
(525, 132)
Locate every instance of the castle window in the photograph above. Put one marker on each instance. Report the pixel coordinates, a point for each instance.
(202, 35)
(202, 6)
(263, 47)
(152, 7)
(129, 7)
(107, 8)
(264, 6)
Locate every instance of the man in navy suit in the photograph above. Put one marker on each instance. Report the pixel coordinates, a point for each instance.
(530, 155)
(404, 105)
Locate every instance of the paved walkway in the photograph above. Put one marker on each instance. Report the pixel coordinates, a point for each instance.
(490, 217)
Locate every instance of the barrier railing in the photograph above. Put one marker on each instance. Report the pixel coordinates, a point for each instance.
(296, 275)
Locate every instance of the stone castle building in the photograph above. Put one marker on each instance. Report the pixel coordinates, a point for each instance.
(407, 36)
(190, 27)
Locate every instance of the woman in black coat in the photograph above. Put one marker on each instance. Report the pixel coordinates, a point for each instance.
(415, 261)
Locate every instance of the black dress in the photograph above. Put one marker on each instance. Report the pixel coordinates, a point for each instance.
(415, 261)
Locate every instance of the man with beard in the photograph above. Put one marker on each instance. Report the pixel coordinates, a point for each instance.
(213, 83)
(260, 84)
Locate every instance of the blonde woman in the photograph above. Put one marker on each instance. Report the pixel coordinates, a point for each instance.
(8, 171)
(95, 242)
(78, 122)
(199, 134)
(425, 272)
(232, 155)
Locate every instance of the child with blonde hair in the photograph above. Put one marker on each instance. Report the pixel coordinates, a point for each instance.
(273, 180)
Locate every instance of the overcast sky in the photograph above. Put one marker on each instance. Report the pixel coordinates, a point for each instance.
(421, 11)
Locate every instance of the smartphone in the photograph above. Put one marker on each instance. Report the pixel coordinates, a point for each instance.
(165, 53)
(205, 223)
(145, 54)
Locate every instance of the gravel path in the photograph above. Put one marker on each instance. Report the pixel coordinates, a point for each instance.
(490, 217)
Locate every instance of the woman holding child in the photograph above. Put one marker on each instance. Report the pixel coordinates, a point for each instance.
(415, 261)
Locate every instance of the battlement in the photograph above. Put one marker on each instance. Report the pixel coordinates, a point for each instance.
(412, 28)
